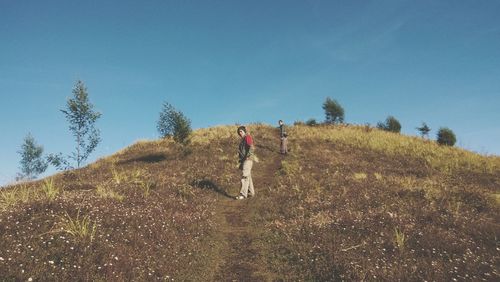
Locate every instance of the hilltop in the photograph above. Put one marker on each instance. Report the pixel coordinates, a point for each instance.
(347, 203)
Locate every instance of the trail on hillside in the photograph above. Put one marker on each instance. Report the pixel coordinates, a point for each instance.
(240, 259)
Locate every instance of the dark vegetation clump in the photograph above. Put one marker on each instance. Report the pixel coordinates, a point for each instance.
(445, 136)
(424, 130)
(334, 112)
(311, 122)
(391, 124)
(173, 123)
(32, 161)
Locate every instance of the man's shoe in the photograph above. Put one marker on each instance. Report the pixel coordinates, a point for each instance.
(240, 197)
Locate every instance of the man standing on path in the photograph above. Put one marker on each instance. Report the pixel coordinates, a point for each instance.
(246, 157)
(283, 136)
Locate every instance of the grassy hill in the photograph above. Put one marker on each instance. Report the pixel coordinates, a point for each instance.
(348, 203)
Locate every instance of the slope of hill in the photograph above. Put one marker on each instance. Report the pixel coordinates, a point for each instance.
(347, 203)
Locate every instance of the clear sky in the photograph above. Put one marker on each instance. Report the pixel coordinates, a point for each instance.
(227, 62)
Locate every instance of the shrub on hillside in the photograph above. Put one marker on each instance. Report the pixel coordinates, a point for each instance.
(32, 163)
(445, 136)
(81, 117)
(174, 123)
(311, 122)
(333, 111)
(424, 130)
(391, 124)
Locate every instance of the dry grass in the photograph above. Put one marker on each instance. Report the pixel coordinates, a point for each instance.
(81, 228)
(360, 176)
(50, 190)
(347, 203)
(104, 191)
(390, 208)
(400, 239)
(12, 197)
(444, 158)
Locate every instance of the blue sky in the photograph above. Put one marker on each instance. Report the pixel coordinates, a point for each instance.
(227, 62)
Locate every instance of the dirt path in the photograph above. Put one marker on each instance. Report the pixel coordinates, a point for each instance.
(239, 263)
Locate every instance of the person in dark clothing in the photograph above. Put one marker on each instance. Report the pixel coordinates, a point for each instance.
(246, 157)
(283, 138)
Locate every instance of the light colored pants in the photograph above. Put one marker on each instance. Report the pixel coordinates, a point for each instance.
(246, 179)
(283, 146)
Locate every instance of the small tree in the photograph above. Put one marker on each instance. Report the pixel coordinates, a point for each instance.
(81, 117)
(173, 123)
(424, 130)
(391, 124)
(445, 136)
(333, 111)
(32, 163)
